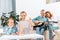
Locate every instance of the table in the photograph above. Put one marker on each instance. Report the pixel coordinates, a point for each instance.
(26, 36)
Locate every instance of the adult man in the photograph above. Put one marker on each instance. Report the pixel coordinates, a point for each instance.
(43, 19)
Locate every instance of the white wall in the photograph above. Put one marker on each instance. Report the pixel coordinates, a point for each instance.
(54, 8)
(32, 7)
(52, 1)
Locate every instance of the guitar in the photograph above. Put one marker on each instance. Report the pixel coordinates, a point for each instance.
(38, 24)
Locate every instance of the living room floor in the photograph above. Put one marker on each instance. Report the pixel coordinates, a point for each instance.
(56, 37)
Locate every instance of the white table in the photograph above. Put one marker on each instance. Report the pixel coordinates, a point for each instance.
(26, 36)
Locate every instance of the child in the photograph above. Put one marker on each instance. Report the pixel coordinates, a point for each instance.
(10, 28)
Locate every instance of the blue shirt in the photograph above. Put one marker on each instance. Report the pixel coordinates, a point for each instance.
(39, 18)
(9, 31)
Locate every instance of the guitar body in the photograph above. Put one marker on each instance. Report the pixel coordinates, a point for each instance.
(39, 24)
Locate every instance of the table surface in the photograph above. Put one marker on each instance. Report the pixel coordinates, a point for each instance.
(26, 36)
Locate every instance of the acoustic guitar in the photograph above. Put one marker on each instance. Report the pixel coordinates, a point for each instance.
(38, 24)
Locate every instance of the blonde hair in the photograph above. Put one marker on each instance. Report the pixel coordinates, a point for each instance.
(22, 13)
(9, 19)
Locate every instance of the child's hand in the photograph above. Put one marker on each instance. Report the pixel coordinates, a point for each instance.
(20, 33)
(30, 20)
(13, 34)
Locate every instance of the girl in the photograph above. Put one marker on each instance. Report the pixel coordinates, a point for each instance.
(24, 26)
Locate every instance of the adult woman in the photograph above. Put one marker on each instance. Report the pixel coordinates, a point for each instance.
(50, 24)
(24, 26)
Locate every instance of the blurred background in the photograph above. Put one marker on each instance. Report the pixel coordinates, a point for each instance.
(32, 7)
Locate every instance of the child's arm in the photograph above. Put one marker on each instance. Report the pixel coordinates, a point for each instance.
(20, 30)
(30, 20)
